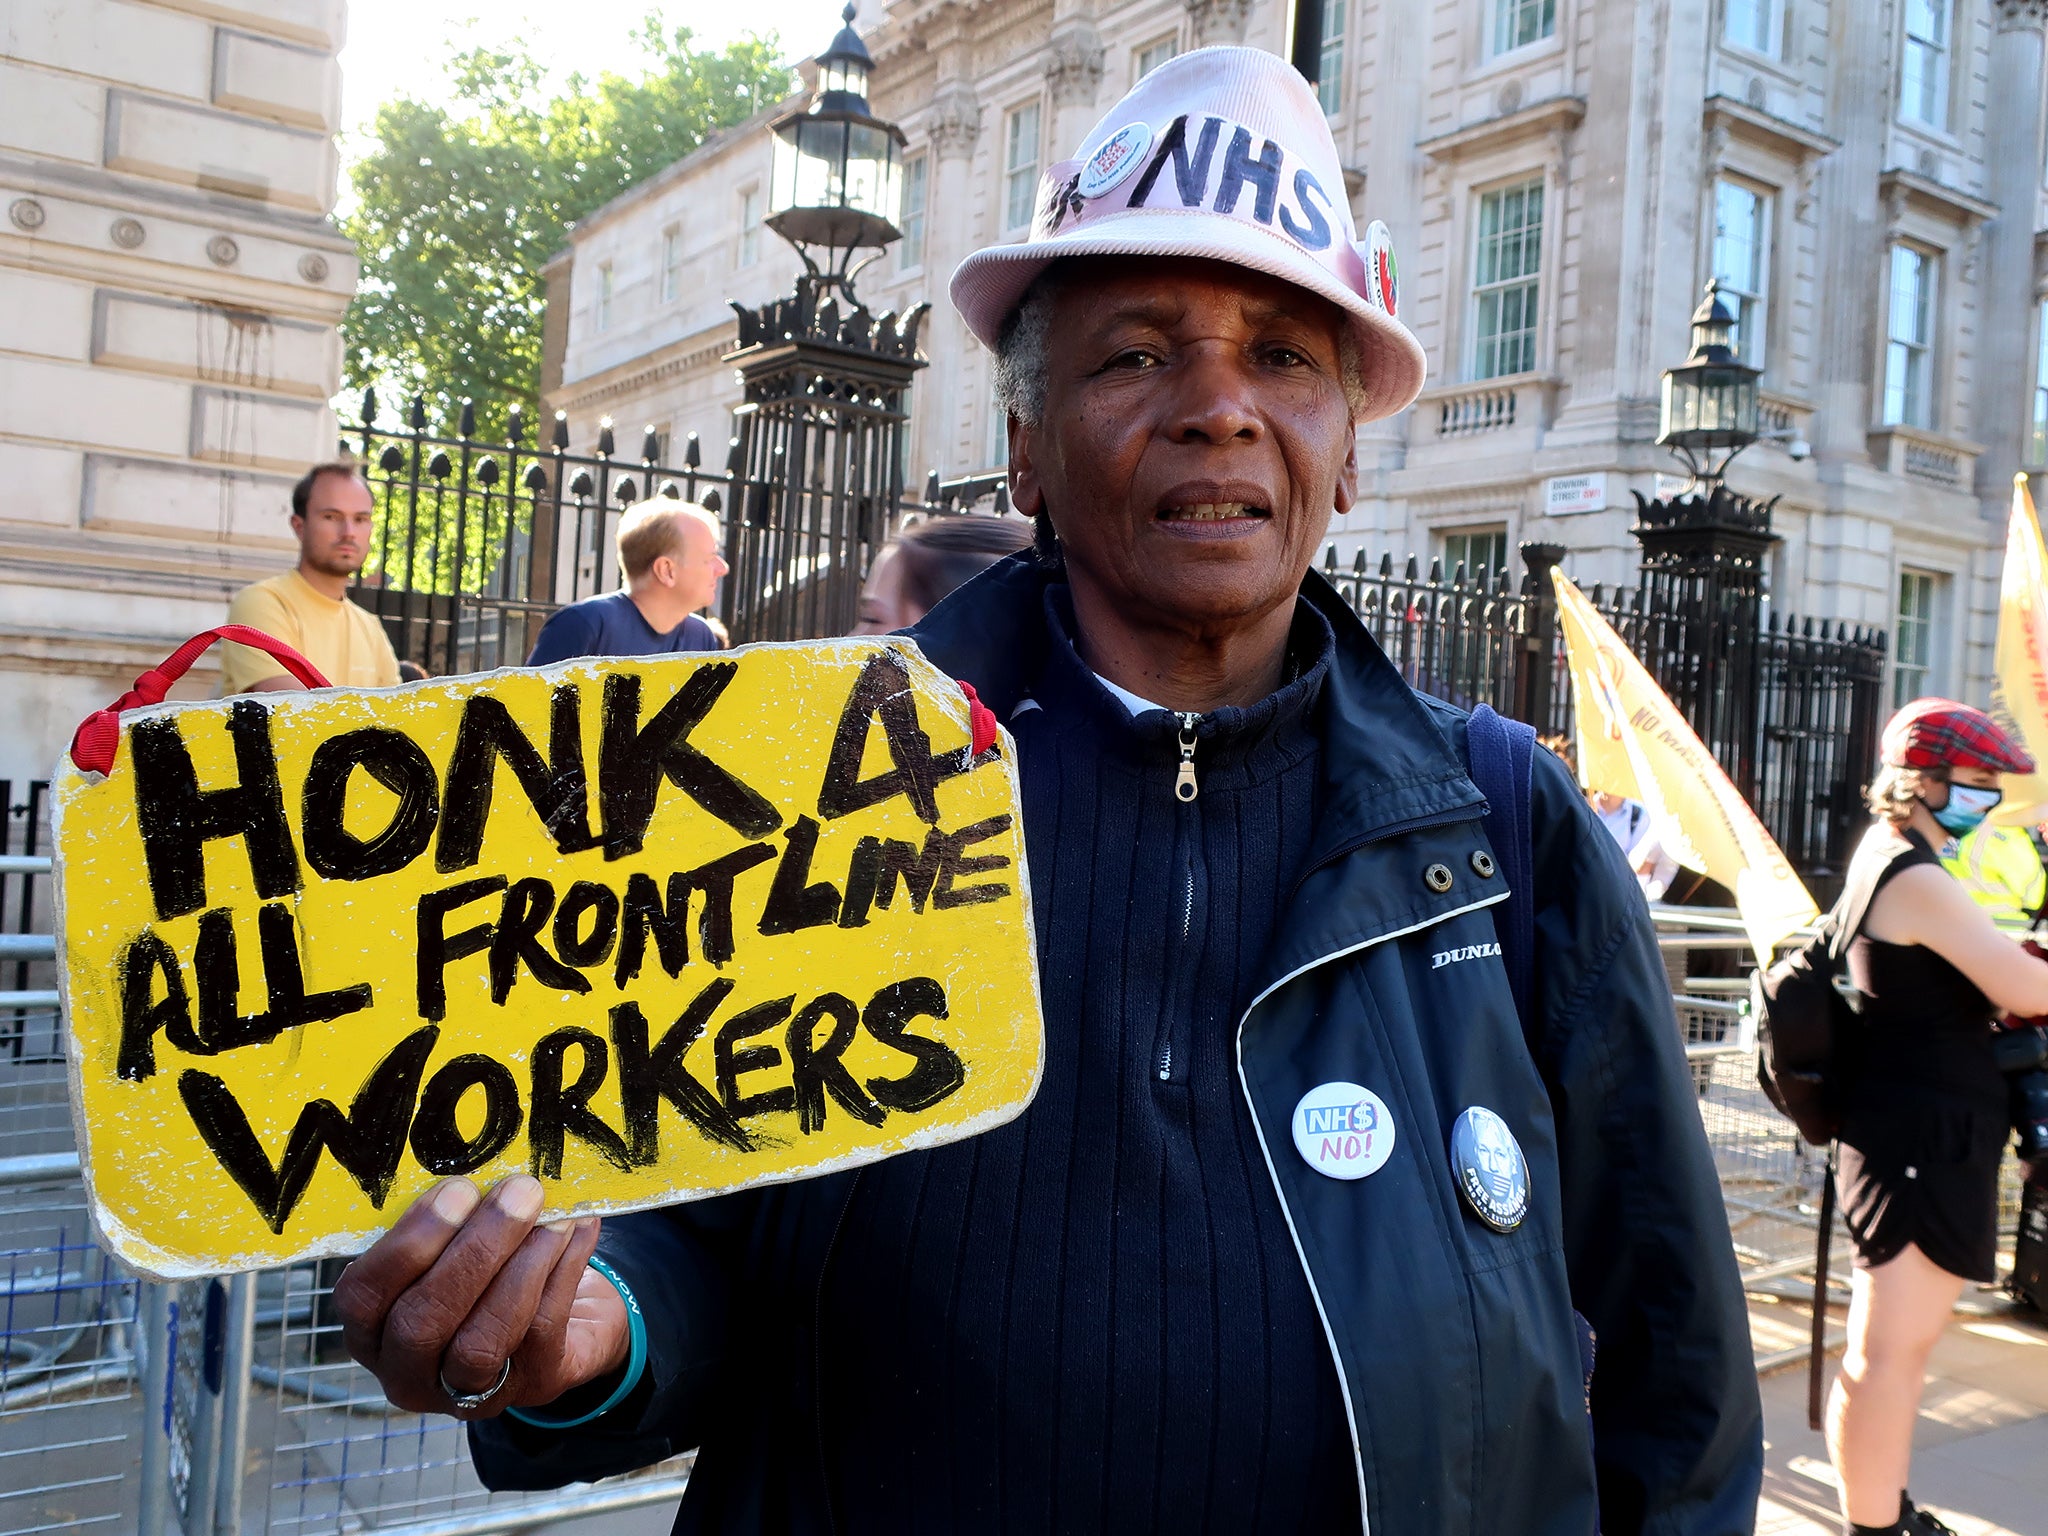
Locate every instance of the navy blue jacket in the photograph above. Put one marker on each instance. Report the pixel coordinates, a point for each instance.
(611, 624)
(1455, 1345)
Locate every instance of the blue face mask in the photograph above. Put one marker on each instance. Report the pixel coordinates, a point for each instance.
(1966, 809)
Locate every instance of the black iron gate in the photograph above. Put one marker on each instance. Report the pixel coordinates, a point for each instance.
(1791, 709)
(479, 541)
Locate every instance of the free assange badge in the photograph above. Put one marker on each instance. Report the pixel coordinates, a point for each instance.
(1493, 1176)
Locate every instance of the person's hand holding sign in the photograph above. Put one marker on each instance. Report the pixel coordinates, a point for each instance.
(467, 1297)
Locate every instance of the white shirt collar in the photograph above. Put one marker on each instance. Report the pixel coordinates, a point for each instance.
(1128, 699)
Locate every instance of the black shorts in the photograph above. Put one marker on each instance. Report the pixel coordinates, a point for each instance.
(1921, 1167)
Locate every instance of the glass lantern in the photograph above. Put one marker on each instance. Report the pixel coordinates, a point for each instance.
(836, 182)
(1712, 402)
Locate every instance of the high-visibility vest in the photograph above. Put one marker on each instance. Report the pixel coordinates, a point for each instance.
(2001, 869)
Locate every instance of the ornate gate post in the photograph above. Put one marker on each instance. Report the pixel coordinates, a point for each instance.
(1536, 686)
(819, 461)
(1703, 581)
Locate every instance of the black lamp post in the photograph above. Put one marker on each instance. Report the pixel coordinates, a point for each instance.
(817, 457)
(1710, 404)
(837, 179)
(1706, 551)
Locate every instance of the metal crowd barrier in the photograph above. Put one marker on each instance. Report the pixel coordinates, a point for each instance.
(223, 1407)
(1770, 1178)
(207, 1408)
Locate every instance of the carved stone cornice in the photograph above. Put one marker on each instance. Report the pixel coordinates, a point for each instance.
(1901, 189)
(954, 122)
(1725, 118)
(1073, 64)
(1553, 118)
(2019, 15)
(1219, 21)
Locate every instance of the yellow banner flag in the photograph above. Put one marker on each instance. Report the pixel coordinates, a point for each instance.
(1634, 742)
(2019, 685)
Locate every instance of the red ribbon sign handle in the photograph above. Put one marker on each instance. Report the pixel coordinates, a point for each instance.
(981, 720)
(92, 748)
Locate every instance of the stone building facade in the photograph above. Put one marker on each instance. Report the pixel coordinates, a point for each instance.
(170, 287)
(1561, 178)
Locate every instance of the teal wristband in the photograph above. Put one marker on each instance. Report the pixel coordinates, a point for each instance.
(636, 1360)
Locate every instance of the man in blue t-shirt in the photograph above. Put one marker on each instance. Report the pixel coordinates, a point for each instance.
(669, 553)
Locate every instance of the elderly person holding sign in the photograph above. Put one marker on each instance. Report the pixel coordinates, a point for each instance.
(1307, 1222)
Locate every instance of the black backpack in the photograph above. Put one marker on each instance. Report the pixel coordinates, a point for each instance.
(1803, 1004)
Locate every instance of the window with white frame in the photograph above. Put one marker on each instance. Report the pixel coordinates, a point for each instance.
(910, 252)
(750, 226)
(1753, 24)
(1922, 596)
(1742, 261)
(1909, 338)
(1152, 55)
(2038, 439)
(1330, 58)
(1505, 270)
(1020, 166)
(1518, 23)
(1479, 550)
(1923, 69)
(604, 296)
(671, 263)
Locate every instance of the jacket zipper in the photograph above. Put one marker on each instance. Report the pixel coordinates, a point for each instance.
(1185, 790)
(1176, 1004)
(1184, 787)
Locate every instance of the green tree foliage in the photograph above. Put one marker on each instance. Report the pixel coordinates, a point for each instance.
(458, 210)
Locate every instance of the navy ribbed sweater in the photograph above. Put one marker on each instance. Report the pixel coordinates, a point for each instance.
(1094, 1319)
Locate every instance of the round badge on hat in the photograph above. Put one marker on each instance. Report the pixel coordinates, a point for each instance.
(1383, 280)
(1493, 1176)
(1343, 1131)
(1119, 155)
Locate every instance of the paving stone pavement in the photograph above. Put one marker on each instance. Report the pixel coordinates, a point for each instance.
(1980, 1457)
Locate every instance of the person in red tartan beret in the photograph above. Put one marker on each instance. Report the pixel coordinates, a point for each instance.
(1924, 1106)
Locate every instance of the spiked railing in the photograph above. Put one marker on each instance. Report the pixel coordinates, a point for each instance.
(1792, 715)
(478, 541)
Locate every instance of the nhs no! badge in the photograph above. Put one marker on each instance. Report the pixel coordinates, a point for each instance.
(1343, 1131)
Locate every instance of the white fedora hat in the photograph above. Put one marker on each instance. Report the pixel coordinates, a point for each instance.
(1221, 153)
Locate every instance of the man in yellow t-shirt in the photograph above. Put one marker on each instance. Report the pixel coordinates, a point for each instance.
(308, 608)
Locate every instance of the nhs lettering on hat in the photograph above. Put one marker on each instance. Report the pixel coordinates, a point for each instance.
(1217, 167)
(1222, 154)
(1343, 1130)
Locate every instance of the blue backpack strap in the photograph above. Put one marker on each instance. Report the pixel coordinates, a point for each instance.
(1502, 753)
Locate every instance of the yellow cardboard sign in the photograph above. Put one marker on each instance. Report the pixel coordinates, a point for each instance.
(650, 930)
